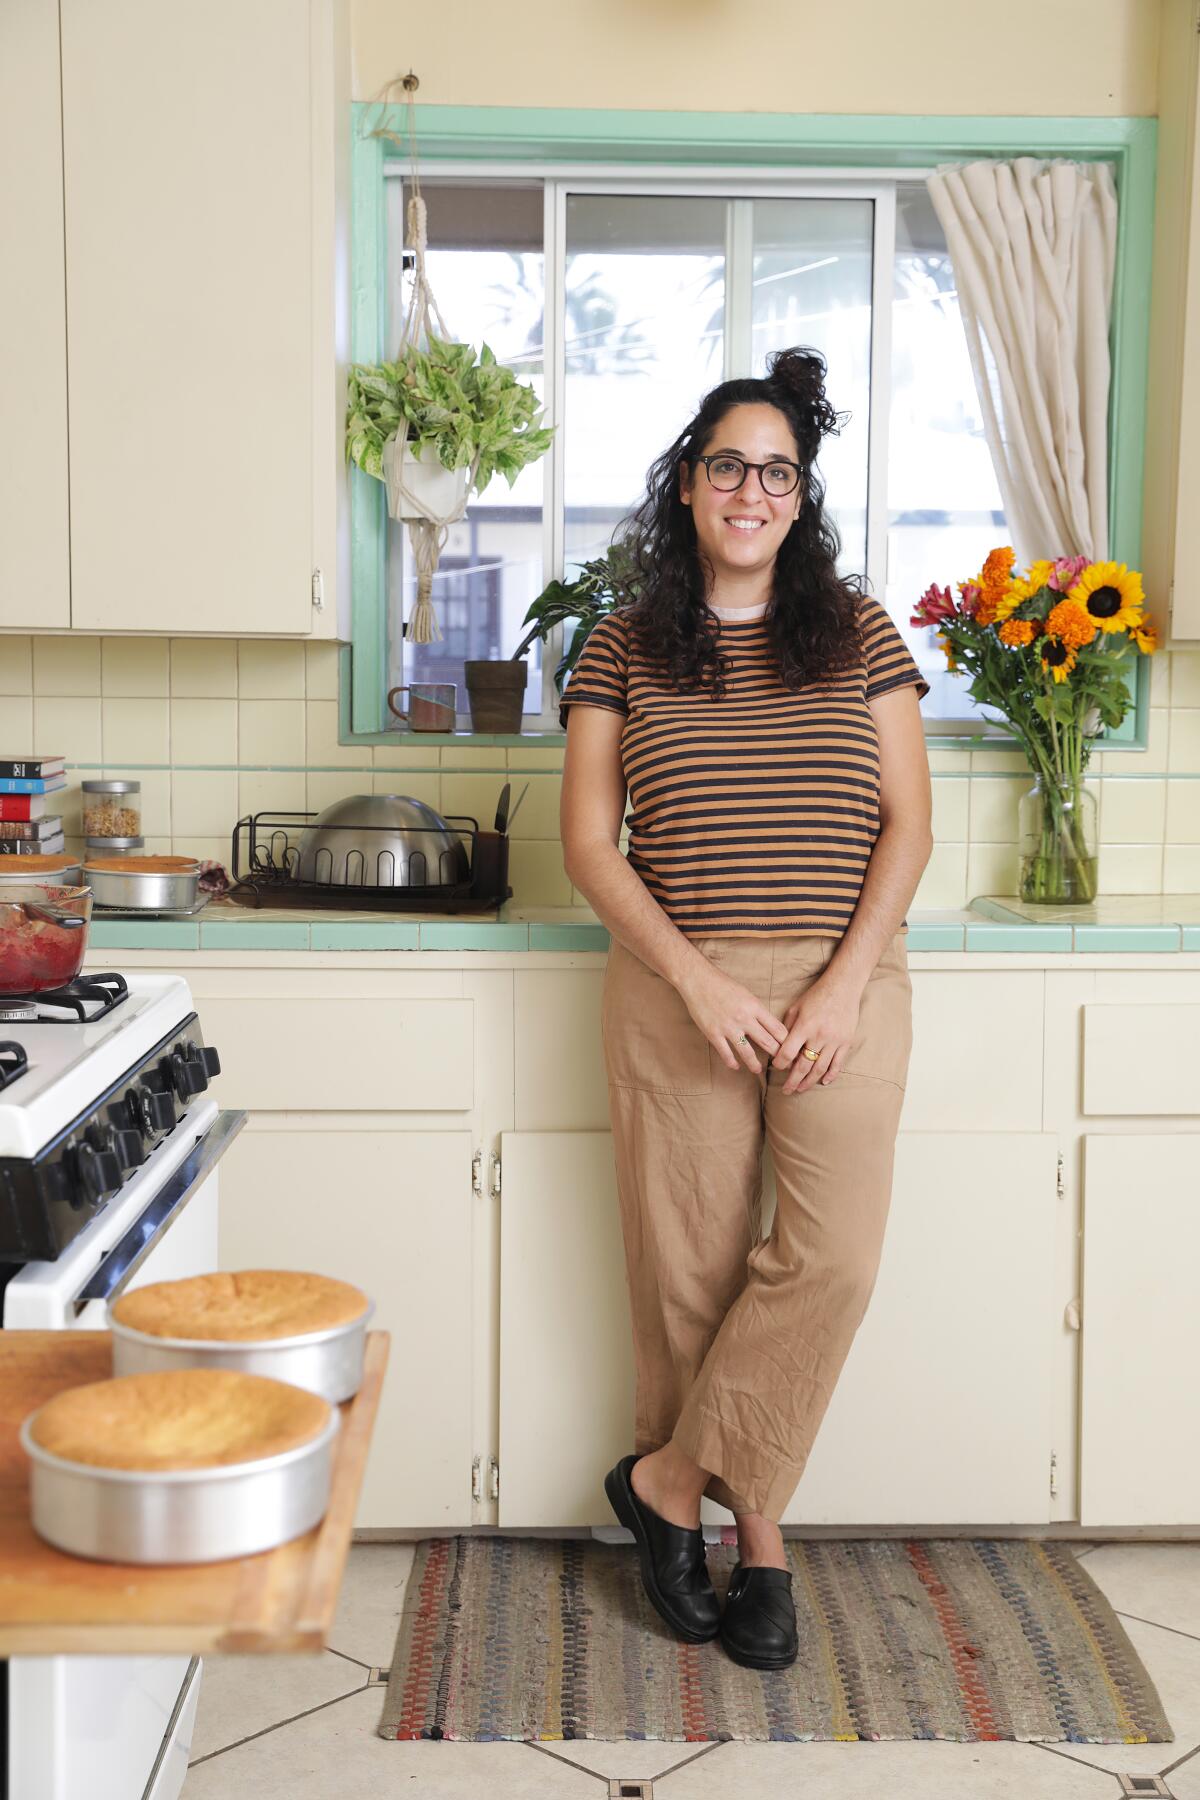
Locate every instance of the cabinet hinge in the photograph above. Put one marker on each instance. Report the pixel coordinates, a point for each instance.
(1059, 1183)
(318, 590)
(495, 1174)
(1053, 1475)
(476, 1480)
(493, 1478)
(477, 1172)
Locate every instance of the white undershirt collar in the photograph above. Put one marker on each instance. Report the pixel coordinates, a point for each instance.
(738, 613)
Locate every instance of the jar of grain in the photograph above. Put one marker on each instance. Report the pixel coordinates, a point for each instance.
(112, 809)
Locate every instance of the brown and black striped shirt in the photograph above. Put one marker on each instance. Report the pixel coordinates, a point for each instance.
(756, 814)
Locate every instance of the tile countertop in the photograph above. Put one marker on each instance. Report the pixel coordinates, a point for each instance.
(1122, 923)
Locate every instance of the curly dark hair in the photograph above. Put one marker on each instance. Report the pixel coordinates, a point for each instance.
(812, 619)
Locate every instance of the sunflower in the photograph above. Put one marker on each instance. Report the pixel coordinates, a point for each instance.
(1010, 599)
(1017, 632)
(1038, 574)
(1112, 594)
(1145, 636)
(1072, 623)
(948, 647)
(1058, 659)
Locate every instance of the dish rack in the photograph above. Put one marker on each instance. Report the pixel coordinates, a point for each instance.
(265, 851)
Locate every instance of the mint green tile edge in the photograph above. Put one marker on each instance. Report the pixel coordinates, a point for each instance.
(1190, 937)
(516, 134)
(480, 935)
(1128, 937)
(1018, 937)
(144, 934)
(996, 909)
(379, 934)
(238, 934)
(550, 936)
(934, 937)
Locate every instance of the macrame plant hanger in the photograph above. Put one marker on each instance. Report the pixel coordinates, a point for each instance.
(428, 529)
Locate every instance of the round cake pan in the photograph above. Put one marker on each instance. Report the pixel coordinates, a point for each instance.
(328, 1363)
(179, 1515)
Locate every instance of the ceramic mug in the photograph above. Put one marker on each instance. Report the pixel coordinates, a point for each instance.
(431, 707)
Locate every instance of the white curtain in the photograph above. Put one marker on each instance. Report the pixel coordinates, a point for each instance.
(1033, 245)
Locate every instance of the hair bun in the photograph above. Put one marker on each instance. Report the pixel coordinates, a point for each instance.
(800, 374)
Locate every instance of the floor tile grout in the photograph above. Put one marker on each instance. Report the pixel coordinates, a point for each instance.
(1192, 1636)
(279, 1725)
(352, 1659)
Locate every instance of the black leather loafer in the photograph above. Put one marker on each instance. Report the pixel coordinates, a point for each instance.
(674, 1572)
(758, 1626)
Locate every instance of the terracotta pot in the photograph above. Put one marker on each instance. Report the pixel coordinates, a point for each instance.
(496, 692)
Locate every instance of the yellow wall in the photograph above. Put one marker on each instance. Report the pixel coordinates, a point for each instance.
(885, 56)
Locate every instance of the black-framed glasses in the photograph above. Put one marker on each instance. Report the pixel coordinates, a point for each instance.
(728, 472)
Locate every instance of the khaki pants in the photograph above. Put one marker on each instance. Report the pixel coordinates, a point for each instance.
(739, 1340)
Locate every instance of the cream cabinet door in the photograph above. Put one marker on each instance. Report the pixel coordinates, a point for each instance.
(34, 559)
(188, 151)
(391, 1212)
(1139, 1459)
(566, 1365)
(942, 1414)
(943, 1411)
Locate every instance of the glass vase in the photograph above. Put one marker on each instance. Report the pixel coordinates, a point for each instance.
(1058, 835)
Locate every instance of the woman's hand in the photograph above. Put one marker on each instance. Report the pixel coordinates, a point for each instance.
(824, 1018)
(724, 1010)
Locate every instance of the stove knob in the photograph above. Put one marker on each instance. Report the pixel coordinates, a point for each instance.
(212, 1062)
(157, 1110)
(129, 1149)
(99, 1171)
(188, 1076)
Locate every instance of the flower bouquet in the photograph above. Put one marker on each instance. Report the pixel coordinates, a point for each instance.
(1047, 648)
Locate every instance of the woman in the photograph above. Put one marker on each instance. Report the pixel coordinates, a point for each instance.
(759, 711)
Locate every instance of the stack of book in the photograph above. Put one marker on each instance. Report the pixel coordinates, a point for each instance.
(28, 826)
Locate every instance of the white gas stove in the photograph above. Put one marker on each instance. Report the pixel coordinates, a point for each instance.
(109, 1145)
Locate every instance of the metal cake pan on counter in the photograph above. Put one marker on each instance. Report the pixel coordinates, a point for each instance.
(179, 1515)
(328, 1363)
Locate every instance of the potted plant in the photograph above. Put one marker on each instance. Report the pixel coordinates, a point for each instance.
(497, 689)
(434, 425)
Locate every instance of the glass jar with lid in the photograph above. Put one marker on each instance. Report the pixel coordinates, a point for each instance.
(112, 814)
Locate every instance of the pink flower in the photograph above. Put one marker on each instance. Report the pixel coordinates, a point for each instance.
(972, 594)
(1067, 570)
(934, 605)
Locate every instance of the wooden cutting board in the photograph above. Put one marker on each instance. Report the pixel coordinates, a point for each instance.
(55, 1604)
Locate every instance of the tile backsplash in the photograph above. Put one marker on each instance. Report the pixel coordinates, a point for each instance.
(215, 728)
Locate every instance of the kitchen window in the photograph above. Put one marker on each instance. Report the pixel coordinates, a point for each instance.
(621, 292)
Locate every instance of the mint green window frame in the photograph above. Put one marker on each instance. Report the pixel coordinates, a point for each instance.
(510, 136)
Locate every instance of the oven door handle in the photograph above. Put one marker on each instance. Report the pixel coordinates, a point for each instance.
(131, 1251)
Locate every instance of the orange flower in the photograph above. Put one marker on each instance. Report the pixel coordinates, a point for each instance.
(1017, 631)
(1072, 623)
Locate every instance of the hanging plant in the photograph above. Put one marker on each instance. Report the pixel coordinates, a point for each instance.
(438, 421)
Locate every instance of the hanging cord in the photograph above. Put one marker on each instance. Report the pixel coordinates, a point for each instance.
(427, 531)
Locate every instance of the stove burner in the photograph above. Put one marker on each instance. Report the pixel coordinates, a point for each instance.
(13, 1062)
(88, 997)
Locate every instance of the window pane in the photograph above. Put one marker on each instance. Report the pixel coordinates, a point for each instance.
(644, 337)
(485, 265)
(812, 287)
(945, 510)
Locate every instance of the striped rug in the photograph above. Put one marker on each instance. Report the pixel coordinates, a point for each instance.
(969, 1640)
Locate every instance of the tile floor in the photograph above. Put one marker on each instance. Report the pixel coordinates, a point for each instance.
(304, 1727)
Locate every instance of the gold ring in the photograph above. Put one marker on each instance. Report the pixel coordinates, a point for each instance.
(812, 1055)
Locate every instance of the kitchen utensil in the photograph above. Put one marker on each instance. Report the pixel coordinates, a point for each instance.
(179, 1515)
(328, 1363)
(39, 948)
(502, 807)
(382, 840)
(512, 815)
(433, 705)
(143, 883)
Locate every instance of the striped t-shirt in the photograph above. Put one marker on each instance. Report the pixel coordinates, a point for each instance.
(756, 814)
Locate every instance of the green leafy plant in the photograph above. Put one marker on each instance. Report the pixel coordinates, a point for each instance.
(454, 403)
(604, 583)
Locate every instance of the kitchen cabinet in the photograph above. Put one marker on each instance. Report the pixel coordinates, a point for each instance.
(1140, 1465)
(34, 554)
(194, 362)
(436, 1128)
